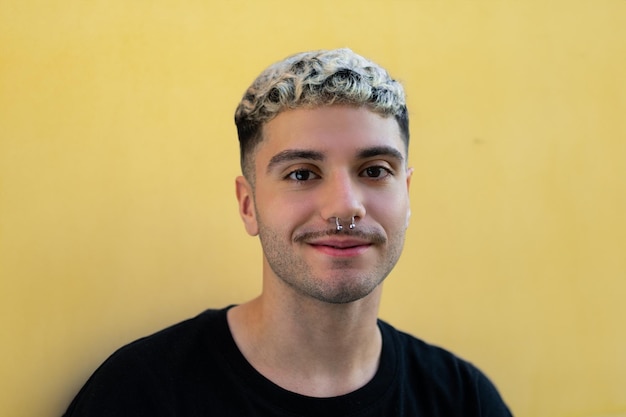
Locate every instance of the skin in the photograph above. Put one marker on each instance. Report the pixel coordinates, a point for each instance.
(313, 328)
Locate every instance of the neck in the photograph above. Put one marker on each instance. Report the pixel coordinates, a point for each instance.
(307, 346)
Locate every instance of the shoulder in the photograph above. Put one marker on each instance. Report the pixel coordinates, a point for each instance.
(180, 335)
(152, 369)
(424, 357)
(174, 341)
(441, 375)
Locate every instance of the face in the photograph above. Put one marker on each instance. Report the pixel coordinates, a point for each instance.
(316, 165)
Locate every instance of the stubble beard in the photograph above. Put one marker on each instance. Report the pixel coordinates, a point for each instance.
(342, 285)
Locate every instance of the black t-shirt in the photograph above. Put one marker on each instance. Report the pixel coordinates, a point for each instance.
(194, 369)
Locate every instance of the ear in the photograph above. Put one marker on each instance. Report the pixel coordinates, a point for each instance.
(409, 175)
(247, 211)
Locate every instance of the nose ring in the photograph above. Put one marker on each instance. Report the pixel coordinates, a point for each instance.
(339, 226)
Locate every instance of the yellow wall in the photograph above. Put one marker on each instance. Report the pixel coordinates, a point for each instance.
(118, 153)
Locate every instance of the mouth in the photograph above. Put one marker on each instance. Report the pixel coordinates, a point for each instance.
(341, 247)
(348, 244)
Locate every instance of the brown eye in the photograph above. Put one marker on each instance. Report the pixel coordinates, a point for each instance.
(301, 175)
(376, 172)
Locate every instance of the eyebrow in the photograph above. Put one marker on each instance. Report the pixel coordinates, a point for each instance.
(292, 155)
(381, 151)
(300, 154)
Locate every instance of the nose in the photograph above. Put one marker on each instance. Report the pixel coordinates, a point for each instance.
(342, 198)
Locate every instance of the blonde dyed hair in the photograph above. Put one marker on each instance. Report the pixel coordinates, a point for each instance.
(315, 79)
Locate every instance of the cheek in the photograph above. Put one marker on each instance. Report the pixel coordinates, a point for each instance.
(390, 211)
(282, 212)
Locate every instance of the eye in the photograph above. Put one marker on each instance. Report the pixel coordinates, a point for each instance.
(376, 172)
(302, 175)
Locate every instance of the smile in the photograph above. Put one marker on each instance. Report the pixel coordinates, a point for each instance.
(341, 247)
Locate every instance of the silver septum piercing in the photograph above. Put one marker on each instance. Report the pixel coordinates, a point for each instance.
(340, 227)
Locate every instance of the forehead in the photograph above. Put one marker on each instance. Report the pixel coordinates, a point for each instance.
(331, 129)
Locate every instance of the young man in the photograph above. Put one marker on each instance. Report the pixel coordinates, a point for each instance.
(324, 139)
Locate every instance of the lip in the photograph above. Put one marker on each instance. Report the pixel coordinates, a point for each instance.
(340, 247)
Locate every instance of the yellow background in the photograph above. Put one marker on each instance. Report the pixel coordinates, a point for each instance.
(118, 153)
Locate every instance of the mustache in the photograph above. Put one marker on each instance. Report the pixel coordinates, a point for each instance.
(372, 236)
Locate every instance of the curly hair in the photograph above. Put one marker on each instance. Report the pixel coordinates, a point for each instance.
(315, 79)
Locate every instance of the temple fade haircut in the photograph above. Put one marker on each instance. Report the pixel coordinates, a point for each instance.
(315, 79)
